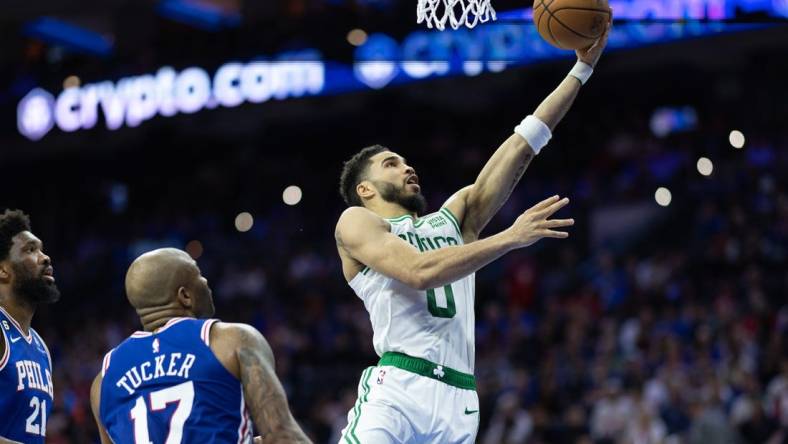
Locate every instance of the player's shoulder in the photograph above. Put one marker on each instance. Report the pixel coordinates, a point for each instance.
(235, 332)
(232, 328)
(234, 335)
(358, 213)
(354, 218)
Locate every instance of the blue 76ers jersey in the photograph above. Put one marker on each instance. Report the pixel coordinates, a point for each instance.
(25, 384)
(168, 387)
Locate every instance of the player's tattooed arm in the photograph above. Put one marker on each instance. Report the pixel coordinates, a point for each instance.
(476, 204)
(95, 400)
(263, 392)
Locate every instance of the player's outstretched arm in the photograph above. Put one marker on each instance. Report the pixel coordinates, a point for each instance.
(476, 204)
(247, 355)
(366, 238)
(95, 404)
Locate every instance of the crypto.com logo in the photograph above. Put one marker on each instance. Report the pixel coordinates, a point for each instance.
(133, 100)
(34, 116)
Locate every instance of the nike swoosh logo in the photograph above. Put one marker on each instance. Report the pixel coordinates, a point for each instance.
(468, 412)
(15, 339)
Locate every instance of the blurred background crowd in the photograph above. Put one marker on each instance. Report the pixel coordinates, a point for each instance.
(662, 319)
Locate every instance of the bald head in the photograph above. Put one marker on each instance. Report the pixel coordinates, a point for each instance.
(155, 278)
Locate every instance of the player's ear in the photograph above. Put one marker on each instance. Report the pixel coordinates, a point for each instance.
(5, 271)
(185, 298)
(366, 190)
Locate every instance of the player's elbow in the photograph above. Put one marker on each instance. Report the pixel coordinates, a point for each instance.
(420, 279)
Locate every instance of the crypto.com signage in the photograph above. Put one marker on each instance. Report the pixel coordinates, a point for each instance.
(133, 100)
(380, 62)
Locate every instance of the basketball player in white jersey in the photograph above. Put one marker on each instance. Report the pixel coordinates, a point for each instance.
(415, 275)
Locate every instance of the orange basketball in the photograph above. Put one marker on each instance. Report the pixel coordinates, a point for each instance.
(571, 24)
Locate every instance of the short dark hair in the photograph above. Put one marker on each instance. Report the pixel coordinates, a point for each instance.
(12, 222)
(354, 171)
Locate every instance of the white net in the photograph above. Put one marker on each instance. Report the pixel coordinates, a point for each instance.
(454, 12)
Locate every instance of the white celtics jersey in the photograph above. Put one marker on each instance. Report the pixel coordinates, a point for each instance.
(436, 324)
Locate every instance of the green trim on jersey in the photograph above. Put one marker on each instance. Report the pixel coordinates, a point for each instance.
(429, 369)
(416, 223)
(398, 219)
(365, 271)
(453, 220)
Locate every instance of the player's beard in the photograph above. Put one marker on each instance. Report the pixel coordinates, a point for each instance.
(204, 308)
(34, 289)
(415, 203)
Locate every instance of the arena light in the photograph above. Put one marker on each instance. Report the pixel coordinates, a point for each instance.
(71, 82)
(357, 37)
(194, 248)
(705, 166)
(736, 138)
(200, 14)
(292, 195)
(675, 9)
(244, 222)
(70, 36)
(668, 120)
(663, 196)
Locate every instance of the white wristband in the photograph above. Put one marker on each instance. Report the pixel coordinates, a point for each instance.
(581, 71)
(535, 132)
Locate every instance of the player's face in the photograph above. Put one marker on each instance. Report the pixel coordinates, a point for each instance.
(34, 278)
(396, 181)
(203, 296)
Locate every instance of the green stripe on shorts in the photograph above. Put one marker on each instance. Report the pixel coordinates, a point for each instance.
(357, 409)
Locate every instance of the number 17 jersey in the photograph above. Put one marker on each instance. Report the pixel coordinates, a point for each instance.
(168, 387)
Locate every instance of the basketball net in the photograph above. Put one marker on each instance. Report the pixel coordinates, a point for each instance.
(456, 12)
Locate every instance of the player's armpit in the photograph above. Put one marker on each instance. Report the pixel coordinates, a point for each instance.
(263, 392)
(95, 404)
(368, 239)
(456, 204)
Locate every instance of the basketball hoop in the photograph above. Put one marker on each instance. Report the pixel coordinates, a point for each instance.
(456, 12)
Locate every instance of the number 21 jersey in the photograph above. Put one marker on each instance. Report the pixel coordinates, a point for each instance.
(25, 383)
(168, 387)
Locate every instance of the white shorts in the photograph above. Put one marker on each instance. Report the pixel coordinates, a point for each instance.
(397, 406)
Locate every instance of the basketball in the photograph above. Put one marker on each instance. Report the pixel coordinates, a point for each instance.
(571, 24)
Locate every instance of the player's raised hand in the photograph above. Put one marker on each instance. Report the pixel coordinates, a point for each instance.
(592, 54)
(535, 224)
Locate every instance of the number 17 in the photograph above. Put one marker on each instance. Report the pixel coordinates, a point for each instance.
(183, 394)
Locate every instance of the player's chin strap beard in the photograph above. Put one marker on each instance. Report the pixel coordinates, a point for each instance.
(415, 203)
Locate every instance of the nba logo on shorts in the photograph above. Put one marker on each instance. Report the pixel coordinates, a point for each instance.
(381, 375)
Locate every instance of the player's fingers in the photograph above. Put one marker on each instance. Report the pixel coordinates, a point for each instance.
(545, 203)
(556, 223)
(554, 234)
(552, 208)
